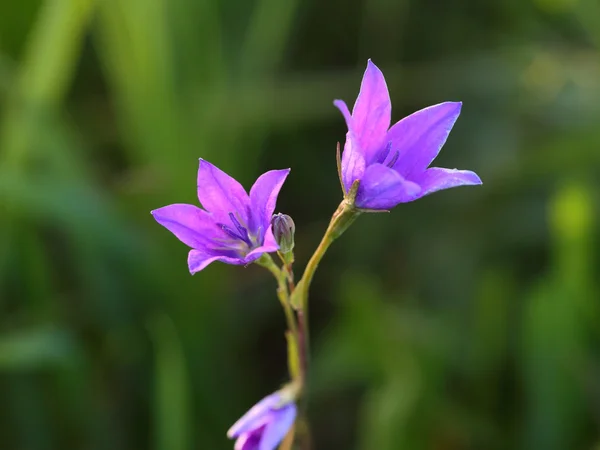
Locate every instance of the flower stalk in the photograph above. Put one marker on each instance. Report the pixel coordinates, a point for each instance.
(380, 167)
(283, 294)
(294, 299)
(345, 214)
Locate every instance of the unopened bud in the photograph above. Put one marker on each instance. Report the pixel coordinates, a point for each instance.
(284, 229)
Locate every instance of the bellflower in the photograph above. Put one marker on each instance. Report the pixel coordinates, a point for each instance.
(265, 425)
(392, 164)
(233, 227)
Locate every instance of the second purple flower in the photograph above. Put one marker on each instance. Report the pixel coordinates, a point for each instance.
(392, 164)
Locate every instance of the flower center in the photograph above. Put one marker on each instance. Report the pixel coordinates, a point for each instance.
(383, 153)
(386, 156)
(238, 231)
(391, 161)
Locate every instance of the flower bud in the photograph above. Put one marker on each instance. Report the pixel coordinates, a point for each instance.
(283, 229)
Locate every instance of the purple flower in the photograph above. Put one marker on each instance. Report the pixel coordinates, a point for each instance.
(265, 425)
(233, 227)
(392, 164)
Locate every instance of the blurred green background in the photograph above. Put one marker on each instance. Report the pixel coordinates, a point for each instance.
(466, 320)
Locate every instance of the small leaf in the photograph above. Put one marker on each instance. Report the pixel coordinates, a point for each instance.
(296, 296)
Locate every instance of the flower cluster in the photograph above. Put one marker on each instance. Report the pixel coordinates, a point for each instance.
(380, 167)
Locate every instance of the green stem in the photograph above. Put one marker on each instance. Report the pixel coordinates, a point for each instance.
(296, 297)
(284, 288)
(345, 214)
(303, 340)
(282, 291)
(342, 218)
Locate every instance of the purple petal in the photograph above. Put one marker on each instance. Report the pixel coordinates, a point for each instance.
(383, 188)
(341, 105)
(199, 259)
(269, 246)
(191, 225)
(277, 429)
(263, 197)
(248, 441)
(372, 112)
(255, 415)
(420, 136)
(353, 162)
(221, 194)
(436, 179)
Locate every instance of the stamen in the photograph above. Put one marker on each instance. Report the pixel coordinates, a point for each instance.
(383, 154)
(392, 161)
(243, 232)
(237, 224)
(230, 232)
(259, 234)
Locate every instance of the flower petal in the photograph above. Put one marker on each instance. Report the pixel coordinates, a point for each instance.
(241, 442)
(353, 162)
(276, 430)
(263, 197)
(341, 105)
(255, 415)
(269, 246)
(248, 441)
(220, 194)
(420, 136)
(383, 188)
(199, 259)
(372, 112)
(436, 179)
(191, 225)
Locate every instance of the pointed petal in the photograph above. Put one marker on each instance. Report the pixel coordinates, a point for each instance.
(191, 225)
(436, 179)
(221, 194)
(255, 415)
(341, 105)
(199, 259)
(372, 112)
(353, 162)
(276, 430)
(269, 246)
(420, 136)
(383, 188)
(241, 442)
(248, 441)
(263, 198)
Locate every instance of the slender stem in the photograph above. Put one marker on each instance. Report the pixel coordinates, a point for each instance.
(296, 296)
(303, 342)
(342, 218)
(282, 292)
(289, 315)
(290, 277)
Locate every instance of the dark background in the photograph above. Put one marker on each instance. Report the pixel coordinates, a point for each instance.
(466, 320)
